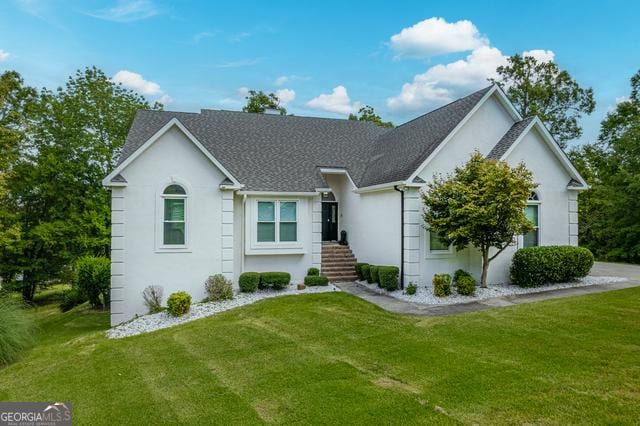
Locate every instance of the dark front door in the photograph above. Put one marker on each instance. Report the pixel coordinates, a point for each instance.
(329, 221)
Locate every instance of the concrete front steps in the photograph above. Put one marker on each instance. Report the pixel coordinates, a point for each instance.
(338, 263)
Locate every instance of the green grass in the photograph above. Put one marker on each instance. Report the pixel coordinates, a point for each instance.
(332, 358)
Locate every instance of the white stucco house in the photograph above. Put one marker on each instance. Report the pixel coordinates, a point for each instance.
(195, 194)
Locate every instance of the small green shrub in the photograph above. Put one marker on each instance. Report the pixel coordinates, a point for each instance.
(466, 285)
(152, 296)
(442, 285)
(313, 271)
(366, 272)
(16, 330)
(373, 271)
(218, 288)
(72, 298)
(249, 281)
(93, 278)
(460, 273)
(388, 276)
(359, 270)
(275, 280)
(179, 303)
(411, 289)
(312, 280)
(536, 266)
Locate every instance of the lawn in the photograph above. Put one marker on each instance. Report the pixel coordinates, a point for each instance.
(333, 358)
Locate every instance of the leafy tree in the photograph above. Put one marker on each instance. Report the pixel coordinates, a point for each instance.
(258, 101)
(367, 113)
(541, 88)
(480, 204)
(16, 100)
(59, 206)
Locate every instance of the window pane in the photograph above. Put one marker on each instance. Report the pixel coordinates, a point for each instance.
(266, 211)
(288, 231)
(530, 239)
(174, 189)
(287, 211)
(436, 243)
(174, 233)
(174, 209)
(266, 232)
(532, 214)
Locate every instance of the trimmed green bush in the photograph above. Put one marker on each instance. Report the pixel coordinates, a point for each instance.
(373, 274)
(441, 285)
(312, 280)
(366, 272)
(249, 282)
(411, 289)
(179, 303)
(218, 288)
(16, 330)
(466, 285)
(388, 276)
(536, 266)
(93, 278)
(359, 270)
(460, 273)
(275, 280)
(313, 271)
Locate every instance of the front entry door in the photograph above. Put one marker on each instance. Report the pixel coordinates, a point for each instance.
(329, 221)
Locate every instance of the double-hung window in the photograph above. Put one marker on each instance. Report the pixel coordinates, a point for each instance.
(532, 211)
(277, 221)
(174, 226)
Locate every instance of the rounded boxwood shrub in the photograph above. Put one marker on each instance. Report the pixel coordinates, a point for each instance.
(460, 273)
(536, 266)
(388, 277)
(275, 280)
(313, 271)
(312, 280)
(179, 303)
(466, 285)
(358, 267)
(411, 289)
(441, 285)
(218, 288)
(373, 274)
(366, 272)
(249, 282)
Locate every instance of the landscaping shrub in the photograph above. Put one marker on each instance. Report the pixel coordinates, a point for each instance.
(93, 278)
(359, 270)
(179, 303)
(373, 271)
(535, 266)
(275, 280)
(152, 296)
(460, 273)
(411, 289)
(16, 330)
(313, 271)
(388, 276)
(442, 285)
(466, 285)
(72, 298)
(366, 272)
(218, 288)
(249, 282)
(312, 280)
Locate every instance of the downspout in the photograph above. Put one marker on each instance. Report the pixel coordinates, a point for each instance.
(243, 227)
(401, 191)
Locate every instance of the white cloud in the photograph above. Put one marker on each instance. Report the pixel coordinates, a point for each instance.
(127, 11)
(201, 36)
(435, 36)
(285, 95)
(165, 99)
(281, 80)
(289, 78)
(242, 91)
(540, 55)
(136, 82)
(4, 55)
(236, 64)
(621, 99)
(337, 101)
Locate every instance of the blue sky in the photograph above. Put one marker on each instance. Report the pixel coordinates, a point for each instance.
(325, 58)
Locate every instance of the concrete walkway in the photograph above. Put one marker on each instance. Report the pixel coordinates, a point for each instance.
(631, 272)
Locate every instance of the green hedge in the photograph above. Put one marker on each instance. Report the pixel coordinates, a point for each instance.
(179, 303)
(373, 273)
(441, 285)
(466, 285)
(536, 266)
(388, 276)
(249, 281)
(275, 280)
(359, 270)
(366, 272)
(313, 280)
(313, 271)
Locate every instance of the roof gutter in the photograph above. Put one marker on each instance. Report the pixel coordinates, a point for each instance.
(401, 191)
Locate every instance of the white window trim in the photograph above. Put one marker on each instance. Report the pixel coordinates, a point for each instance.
(254, 247)
(161, 247)
(538, 203)
(450, 252)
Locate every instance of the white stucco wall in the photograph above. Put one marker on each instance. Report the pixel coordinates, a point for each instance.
(172, 156)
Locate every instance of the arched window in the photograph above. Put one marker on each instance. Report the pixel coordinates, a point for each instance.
(532, 211)
(174, 226)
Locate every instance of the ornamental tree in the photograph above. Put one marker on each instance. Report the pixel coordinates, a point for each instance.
(480, 204)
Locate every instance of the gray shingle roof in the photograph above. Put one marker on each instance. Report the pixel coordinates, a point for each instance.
(509, 138)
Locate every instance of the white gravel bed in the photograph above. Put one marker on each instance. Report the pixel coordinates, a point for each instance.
(424, 294)
(152, 322)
